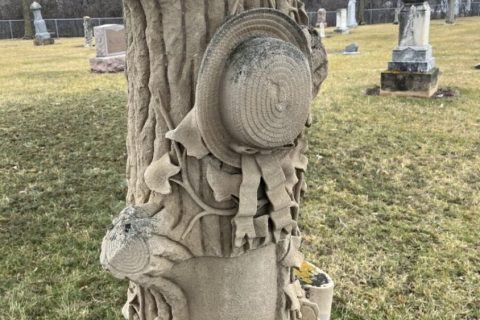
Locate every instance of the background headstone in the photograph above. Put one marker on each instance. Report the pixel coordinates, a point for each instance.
(352, 11)
(341, 21)
(412, 71)
(110, 44)
(88, 30)
(351, 49)
(321, 22)
(398, 9)
(457, 7)
(110, 40)
(42, 36)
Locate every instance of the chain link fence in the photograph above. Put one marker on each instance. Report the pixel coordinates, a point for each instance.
(387, 15)
(14, 29)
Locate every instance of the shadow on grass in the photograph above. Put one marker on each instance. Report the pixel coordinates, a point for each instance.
(61, 179)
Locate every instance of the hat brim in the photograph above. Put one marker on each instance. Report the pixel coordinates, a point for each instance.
(253, 23)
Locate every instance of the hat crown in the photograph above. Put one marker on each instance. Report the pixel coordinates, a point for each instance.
(218, 103)
(266, 93)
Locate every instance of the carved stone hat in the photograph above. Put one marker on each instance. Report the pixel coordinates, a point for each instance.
(254, 86)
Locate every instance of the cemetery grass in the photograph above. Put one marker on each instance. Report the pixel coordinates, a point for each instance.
(392, 210)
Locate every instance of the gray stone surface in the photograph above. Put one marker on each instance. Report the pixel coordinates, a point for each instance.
(341, 21)
(321, 16)
(398, 9)
(457, 7)
(351, 15)
(411, 66)
(415, 84)
(110, 43)
(88, 31)
(412, 71)
(42, 36)
(413, 53)
(108, 64)
(110, 40)
(412, 59)
(352, 48)
(321, 22)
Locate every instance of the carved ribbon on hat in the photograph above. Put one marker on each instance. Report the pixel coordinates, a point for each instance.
(255, 168)
(276, 169)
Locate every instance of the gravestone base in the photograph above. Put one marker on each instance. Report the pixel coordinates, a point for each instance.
(43, 42)
(412, 59)
(409, 84)
(108, 64)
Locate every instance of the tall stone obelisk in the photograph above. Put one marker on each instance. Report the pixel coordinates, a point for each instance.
(42, 36)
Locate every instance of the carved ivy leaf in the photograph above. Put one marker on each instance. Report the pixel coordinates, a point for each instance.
(294, 258)
(158, 174)
(290, 175)
(223, 184)
(188, 134)
(296, 160)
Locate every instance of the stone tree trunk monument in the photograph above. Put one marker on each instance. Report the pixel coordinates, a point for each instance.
(219, 96)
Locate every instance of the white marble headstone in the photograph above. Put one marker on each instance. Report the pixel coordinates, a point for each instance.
(352, 10)
(415, 32)
(341, 21)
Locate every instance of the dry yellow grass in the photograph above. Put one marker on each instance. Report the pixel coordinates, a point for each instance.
(393, 209)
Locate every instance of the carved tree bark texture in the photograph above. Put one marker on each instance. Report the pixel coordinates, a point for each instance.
(166, 42)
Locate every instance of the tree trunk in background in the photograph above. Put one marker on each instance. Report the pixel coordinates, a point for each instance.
(166, 43)
(451, 12)
(27, 20)
(361, 12)
(60, 8)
